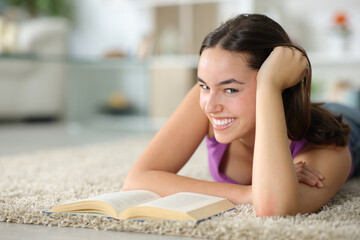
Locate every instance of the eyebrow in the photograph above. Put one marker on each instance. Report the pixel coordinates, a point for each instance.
(225, 82)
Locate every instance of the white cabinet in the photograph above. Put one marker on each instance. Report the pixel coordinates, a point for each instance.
(336, 78)
(32, 82)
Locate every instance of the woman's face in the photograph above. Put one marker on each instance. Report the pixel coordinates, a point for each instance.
(228, 94)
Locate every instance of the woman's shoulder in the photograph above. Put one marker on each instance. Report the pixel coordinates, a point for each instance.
(303, 146)
(310, 152)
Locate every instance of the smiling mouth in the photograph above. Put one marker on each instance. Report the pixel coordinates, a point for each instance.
(223, 122)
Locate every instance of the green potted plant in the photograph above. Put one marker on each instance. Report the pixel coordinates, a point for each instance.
(35, 8)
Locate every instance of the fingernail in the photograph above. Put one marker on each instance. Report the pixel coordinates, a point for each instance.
(320, 184)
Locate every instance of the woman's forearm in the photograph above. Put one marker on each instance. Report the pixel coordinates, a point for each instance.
(166, 183)
(275, 185)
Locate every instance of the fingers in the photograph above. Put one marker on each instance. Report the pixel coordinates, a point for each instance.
(303, 178)
(296, 53)
(308, 175)
(290, 66)
(311, 170)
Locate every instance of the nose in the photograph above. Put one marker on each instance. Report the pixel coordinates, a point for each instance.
(212, 104)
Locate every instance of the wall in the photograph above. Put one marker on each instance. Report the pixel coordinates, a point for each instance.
(104, 25)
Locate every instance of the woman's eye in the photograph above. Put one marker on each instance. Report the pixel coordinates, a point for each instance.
(204, 87)
(231, 90)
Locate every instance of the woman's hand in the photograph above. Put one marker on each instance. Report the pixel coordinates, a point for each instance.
(284, 68)
(308, 175)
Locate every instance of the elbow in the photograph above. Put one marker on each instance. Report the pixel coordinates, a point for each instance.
(270, 212)
(271, 207)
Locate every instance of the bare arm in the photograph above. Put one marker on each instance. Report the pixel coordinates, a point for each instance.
(171, 148)
(276, 190)
(274, 178)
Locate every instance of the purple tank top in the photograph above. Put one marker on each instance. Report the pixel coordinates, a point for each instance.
(216, 152)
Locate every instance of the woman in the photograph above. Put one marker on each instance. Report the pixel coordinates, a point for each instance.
(268, 145)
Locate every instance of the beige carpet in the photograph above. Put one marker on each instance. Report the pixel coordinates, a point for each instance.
(34, 182)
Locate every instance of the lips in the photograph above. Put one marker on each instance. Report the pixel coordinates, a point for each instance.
(222, 123)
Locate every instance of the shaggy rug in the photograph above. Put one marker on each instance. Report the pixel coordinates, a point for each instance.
(34, 182)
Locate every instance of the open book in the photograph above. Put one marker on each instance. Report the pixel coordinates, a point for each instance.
(142, 204)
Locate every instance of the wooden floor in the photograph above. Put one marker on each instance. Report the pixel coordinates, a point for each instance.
(31, 232)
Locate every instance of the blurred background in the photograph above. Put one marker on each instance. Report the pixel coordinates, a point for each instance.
(89, 71)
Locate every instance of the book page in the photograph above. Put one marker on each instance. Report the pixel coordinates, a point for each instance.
(183, 202)
(122, 200)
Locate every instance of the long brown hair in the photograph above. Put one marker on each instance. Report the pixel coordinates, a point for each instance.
(258, 35)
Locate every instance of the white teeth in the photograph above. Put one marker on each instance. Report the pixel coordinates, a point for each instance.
(223, 122)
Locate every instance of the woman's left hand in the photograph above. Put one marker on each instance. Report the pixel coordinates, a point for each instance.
(308, 175)
(284, 68)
